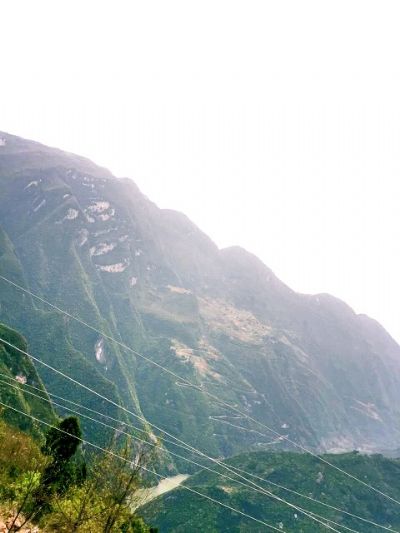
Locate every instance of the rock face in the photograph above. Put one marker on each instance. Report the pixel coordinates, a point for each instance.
(94, 245)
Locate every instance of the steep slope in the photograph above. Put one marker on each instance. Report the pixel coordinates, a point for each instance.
(181, 510)
(17, 370)
(94, 245)
(50, 341)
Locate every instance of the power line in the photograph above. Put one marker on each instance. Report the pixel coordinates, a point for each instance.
(226, 467)
(196, 387)
(309, 514)
(186, 449)
(338, 509)
(109, 452)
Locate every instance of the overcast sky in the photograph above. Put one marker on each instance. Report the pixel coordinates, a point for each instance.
(274, 125)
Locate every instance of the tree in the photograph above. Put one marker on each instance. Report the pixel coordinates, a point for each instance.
(62, 471)
(63, 441)
(61, 445)
(105, 500)
(21, 468)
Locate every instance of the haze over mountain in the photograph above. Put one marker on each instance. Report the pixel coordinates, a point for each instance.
(94, 245)
(297, 143)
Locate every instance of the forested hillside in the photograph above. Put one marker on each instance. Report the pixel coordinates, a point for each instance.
(182, 511)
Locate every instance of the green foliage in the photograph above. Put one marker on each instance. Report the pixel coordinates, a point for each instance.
(180, 511)
(104, 500)
(61, 472)
(136, 524)
(45, 488)
(20, 458)
(14, 364)
(63, 441)
(30, 480)
(21, 468)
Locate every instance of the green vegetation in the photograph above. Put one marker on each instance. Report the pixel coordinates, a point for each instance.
(45, 477)
(16, 365)
(182, 511)
(62, 471)
(55, 489)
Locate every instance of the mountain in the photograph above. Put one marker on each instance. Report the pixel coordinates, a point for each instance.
(95, 246)
(179, 511)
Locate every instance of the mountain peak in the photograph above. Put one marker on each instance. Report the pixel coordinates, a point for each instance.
(17, 154)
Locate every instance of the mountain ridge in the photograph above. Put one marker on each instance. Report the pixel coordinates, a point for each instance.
(96, 246)
(240, 249)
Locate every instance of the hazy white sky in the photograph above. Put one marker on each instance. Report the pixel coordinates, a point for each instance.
(274, 124)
